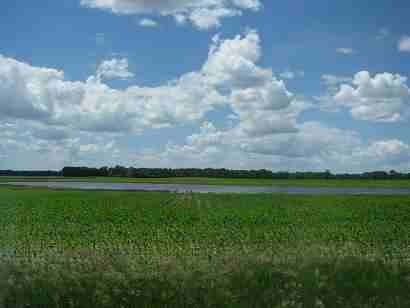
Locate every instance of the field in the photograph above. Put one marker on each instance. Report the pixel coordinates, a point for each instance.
(222, 181)
(139, 249)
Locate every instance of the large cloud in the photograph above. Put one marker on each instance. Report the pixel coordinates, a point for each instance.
(33, 145)
(381, 98)
(262, 103)
(314, 147)
(45, 117)
(58, 109)
(229, 76)
(204, 14)
(311, 139)
(29, 92)
(40, 94)
(386, 149)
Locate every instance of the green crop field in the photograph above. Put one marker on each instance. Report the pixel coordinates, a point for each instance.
(226, 181)
(139, 249)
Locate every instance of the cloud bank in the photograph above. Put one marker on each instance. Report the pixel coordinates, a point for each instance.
(78, 122)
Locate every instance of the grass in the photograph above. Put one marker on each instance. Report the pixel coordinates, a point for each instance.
(234, 283)
(221, 181)
(135, 249)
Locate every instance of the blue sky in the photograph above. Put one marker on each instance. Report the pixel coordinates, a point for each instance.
(294, 85)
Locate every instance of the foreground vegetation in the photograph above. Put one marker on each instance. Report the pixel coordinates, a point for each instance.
(122, 249)
(347, 183)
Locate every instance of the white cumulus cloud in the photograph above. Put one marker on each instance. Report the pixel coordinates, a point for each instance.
(46, 118)
(313, 147)
(114, 69)
(204, 14)
(229, 76)
(383, 97)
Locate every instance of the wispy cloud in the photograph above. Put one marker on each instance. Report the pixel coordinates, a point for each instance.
(383, 33)
(332, 80)
(404, 44)
(149, 23)
(203, 14)
(288, 74)
(100, 38)
(345, 50)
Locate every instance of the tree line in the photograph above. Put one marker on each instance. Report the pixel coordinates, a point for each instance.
(30, 173)
(120, 171)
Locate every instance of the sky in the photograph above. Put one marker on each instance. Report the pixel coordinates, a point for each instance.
(241, 84)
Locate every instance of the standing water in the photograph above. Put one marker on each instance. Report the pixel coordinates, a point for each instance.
(181, 188)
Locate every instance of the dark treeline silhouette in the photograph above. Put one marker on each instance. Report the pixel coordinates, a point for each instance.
(119, 171)
(29, 173)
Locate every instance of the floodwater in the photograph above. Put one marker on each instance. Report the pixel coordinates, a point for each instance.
(182, 188)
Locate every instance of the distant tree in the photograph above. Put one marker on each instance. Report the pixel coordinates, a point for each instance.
(121, 171)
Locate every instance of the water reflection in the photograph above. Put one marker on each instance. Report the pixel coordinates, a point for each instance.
(180, 188)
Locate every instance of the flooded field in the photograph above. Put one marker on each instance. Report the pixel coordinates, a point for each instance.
(181, 188)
